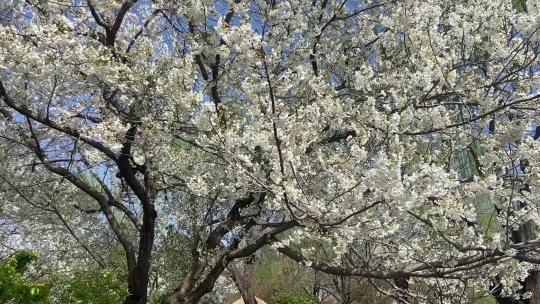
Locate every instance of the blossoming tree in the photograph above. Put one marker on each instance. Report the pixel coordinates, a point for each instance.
(400, 134)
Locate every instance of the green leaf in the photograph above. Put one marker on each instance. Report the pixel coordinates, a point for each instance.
(90, 180)
(15, 287)
(519, 5)
(179, 145)
(292, 298)
(486, 214)
(486, 300)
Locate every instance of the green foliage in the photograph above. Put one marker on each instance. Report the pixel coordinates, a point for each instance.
(487, 215)
(486, 300)
(273, 272)
(179, 145)
(270, 272)
(91, 287)
(292, 298)
(479, 294)
(172, 260)
(87, 286)
(21, 260)
(90, 180)
(15, 287)
(520, 5)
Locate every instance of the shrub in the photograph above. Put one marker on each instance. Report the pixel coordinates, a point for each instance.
(292, 298)
(15, 287)
(90, 286)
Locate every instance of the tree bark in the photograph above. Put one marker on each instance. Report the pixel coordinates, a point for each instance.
(242, 280)
(532, 283)
(403, 284)
(187, 293)
(140, 276)
(316, 284)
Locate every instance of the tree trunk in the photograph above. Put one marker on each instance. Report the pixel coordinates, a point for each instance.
(403, 284)
(242, 280)
(532, 283)
(526, 232)
(180, 296)
(178, 300)
(140, 276)
(316, 285)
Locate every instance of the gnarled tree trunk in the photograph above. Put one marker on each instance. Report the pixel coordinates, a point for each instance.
(242, 280)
